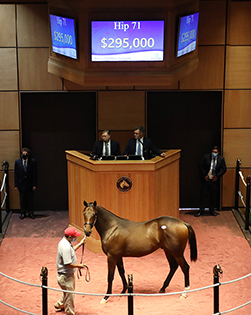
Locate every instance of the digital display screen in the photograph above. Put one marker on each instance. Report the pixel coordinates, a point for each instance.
(187, 37)
(63, 36)
(127, 40)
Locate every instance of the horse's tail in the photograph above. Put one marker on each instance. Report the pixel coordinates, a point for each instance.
(192, 242)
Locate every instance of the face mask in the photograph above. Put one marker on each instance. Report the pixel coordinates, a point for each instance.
(214, 154)
(74, 240)
(25, 156)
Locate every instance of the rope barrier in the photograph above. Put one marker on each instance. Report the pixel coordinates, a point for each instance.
(247, 184)
(17, 309)
(134, 294)
(232, 281)
(233, 309)
(118, 295)
(127, 294)
(5, 195)
(5, 184)
(19, 281)
(4, 178)
(131, 294)
(242, 178)
(242, 199)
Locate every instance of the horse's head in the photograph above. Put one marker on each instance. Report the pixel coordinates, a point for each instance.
(90, 216)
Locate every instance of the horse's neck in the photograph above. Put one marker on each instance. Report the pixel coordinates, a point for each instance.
(105, 220)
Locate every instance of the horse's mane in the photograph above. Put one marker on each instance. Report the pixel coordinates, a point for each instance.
(112, 214)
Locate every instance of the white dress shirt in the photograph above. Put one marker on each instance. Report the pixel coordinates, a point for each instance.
(104, 148)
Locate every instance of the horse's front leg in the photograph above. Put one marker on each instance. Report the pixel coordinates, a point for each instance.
(121, 270)
(111, 262)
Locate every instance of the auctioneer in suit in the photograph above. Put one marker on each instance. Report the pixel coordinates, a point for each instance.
(98, 148)
(147, 146)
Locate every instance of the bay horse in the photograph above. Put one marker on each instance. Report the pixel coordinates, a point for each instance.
(124, 238)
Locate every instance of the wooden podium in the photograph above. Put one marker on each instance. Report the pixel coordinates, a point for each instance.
(135, 190)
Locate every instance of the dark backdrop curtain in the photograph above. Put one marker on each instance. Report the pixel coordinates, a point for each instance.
(190, 121)
(52, 123)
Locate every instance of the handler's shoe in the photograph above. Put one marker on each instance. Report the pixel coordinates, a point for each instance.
(59, 308)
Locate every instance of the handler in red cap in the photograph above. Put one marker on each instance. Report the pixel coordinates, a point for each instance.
(66, 267)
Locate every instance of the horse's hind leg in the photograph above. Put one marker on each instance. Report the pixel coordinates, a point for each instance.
(185, 268)
(121, 270)
(173, 267)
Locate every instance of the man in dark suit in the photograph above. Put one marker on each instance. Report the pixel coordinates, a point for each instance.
(106, 146)
(139, 145)
(212, 168)
(26, 182)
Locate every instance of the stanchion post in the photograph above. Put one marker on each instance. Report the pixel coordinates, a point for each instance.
(217, 269)
(130, 297)
(247, 203)
(237, 183)
(44, 275)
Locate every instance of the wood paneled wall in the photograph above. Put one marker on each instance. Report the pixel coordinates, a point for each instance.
(224, 54)
(237, 89)
(128, 111)
(24, 51)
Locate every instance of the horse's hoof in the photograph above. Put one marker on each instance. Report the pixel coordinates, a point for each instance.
(162, 291)
(183, 295)
(103, 301)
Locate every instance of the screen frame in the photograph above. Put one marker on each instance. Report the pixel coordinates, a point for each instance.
(178, 35)
(118, 62)
(75, 29)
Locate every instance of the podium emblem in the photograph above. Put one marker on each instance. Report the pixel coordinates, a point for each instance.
(124, 184)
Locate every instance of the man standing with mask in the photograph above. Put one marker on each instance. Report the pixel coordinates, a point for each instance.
(212, 168)
(26, 182)
(66, 267)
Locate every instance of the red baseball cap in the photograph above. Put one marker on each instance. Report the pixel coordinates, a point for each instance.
(70, 231)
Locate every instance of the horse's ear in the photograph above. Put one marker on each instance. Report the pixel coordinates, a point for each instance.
(94, 203)
(85, 203)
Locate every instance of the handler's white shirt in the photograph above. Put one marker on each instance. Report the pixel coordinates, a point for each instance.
(66, 255)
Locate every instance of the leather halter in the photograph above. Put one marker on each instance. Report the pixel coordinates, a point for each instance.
(91, 224)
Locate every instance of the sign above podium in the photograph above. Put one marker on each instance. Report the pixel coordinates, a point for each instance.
(122, 43)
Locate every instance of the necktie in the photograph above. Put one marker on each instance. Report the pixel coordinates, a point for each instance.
(25, 166)
(139, 148)
(213, 168)
(106, 149)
